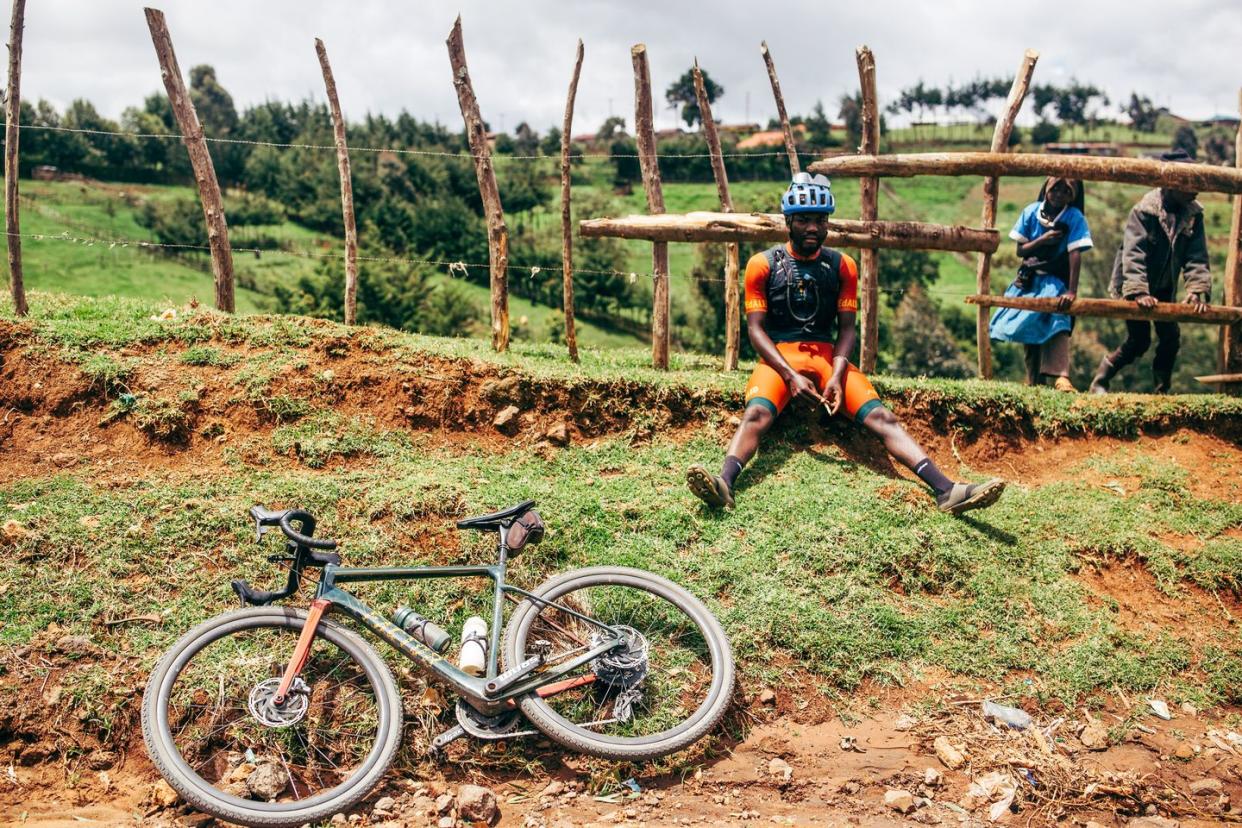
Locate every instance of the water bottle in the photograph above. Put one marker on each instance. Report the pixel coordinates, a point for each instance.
(422, 629)
(472, 658)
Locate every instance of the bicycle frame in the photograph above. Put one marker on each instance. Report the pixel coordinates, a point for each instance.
(330, 595)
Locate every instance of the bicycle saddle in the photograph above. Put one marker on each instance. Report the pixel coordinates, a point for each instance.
(492, 522)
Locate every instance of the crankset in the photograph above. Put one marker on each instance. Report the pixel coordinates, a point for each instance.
(481, 726)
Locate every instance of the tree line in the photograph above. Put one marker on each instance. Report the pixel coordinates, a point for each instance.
(408, 205)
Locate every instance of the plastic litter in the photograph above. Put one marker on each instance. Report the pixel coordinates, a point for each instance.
(1009, 716)
(1160, 709)
(633, 785)
(996, 788)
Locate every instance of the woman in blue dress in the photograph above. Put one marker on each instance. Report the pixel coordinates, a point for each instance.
(1051, 234)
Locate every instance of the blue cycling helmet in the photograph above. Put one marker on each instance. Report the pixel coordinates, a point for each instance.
(808, 194)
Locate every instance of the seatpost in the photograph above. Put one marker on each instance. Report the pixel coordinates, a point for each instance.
(504, 544)
(498, 605)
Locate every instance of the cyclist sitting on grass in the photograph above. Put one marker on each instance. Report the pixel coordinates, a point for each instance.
(801, 304)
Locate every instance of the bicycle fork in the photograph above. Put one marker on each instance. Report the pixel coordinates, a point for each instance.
(301, 653)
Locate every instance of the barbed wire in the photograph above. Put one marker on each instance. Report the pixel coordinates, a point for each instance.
(175, 136)
(454, 267)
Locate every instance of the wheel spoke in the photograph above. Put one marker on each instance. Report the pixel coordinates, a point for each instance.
(315, 741)
(673, 679)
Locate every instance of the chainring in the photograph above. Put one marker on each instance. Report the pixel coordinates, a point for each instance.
(480, 726)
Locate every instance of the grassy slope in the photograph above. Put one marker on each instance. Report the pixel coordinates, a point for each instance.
(827, 565)
(108, 211)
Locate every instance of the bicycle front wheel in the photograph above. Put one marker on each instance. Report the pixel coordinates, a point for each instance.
(660, 693)
(214, 733)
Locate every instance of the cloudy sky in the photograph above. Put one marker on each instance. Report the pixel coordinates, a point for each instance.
(389, 55)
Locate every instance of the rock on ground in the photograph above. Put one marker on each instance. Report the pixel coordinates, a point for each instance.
(1094, 736)
(948, 753)
(267, 781)
(476, 803)
(507, 419)
(780, 769)
(900, 801)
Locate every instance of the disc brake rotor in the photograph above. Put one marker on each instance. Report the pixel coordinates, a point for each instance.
(268, 713)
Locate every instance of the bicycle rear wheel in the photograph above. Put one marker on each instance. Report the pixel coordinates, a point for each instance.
(663, 691)
(211, 729)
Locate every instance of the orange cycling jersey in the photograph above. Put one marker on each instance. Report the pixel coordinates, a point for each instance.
(761, 287)
(806, 351)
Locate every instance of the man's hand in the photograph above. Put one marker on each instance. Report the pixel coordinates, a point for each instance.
(1200, 301)
(834, 395)
(1146, 301)
(801, 388)
(1065, 300)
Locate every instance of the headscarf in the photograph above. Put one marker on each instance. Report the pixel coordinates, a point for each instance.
(1076, 197)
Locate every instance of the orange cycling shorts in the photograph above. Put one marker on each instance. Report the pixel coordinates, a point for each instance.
(814, 361)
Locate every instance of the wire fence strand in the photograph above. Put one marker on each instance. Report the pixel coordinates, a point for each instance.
(175, 136)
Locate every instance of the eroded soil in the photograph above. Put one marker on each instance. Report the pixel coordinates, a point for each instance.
(790, 763)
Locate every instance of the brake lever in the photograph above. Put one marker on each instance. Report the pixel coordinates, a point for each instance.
(259, 530)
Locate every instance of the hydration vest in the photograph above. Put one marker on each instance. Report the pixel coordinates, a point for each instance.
(802, 296)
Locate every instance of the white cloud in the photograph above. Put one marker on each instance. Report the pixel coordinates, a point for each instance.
(390, 55)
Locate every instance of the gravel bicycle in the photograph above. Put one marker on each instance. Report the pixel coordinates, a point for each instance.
(275, 715)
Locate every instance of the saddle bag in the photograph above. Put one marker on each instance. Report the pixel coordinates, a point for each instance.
(528, 529)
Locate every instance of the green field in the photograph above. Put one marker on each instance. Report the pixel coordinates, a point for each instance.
(68, 214)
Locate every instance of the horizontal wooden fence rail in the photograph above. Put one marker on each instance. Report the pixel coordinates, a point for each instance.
(770, 227)
(1172, 174)
(1115, 309)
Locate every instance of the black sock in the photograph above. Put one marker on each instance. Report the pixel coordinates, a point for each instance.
(731, 469)
(932, 476)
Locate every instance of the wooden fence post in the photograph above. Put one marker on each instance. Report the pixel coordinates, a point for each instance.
(791, 149)
(1231, 336)
(347, 187)
(991, 188)
(497, 232)
(12, 114)
(567, 230)
(732, 317)
(644, 132)
(200, 160)
(868, 265)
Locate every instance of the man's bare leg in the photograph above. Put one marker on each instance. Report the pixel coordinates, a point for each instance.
(951, 497)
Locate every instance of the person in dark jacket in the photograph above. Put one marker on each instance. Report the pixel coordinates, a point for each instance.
(1164, 238)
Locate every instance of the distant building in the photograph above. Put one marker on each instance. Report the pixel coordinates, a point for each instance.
(1084, 148)
(1222, 120)
(771, 138)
